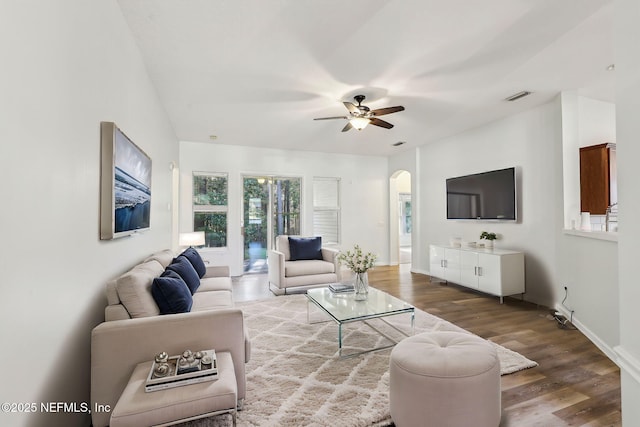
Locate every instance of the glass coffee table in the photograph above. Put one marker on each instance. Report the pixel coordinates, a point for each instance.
(342, 308)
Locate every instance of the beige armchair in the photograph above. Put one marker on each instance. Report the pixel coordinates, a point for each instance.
(291, 267)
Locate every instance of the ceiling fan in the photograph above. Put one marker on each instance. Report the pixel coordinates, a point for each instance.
(360, 115)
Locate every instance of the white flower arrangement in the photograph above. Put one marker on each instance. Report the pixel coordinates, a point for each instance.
(356, 260)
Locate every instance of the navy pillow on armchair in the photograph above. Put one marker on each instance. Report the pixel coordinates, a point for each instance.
(171, 293)
(303, 248)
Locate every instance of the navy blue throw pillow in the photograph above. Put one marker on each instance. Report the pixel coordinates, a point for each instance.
(302, 248)
(171, 293)
(183, 267)
(196, 261)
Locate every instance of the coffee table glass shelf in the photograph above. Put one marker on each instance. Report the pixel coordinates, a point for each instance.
(343, 308)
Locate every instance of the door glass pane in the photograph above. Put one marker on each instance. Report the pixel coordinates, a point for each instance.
(256, 203)
(286, 206)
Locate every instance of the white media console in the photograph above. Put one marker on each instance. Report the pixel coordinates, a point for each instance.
(494, 271)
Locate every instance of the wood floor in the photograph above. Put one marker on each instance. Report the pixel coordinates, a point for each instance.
(575, 384)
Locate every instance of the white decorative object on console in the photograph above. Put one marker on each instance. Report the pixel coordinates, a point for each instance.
(585, 221)
(497, 272)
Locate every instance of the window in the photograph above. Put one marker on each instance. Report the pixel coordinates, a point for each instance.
(210, 195)
(326, 209)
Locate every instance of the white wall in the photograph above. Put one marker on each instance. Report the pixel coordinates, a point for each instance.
(530, 141)
(627, 34)
(364, 192)
(587, 266)
(66, 66)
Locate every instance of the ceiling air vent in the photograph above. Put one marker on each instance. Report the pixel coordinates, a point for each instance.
(399, 143)
(518, 95)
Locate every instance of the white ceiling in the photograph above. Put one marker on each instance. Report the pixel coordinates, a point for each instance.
(256, 72)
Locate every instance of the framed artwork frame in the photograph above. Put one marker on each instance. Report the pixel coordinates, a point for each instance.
(125, 187)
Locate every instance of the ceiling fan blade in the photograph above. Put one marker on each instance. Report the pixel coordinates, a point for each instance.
(381, 123)
(331, 118)
(351, 107)
(388, 110)
(347, 127)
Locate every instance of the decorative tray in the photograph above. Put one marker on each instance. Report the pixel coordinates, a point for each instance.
(187, 368)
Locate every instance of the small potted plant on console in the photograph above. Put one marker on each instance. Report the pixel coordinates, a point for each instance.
(489, 237)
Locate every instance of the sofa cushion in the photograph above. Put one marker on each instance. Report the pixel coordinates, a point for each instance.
(305, 248)
(183, 267)
(134, 289)
(215, 284)
(164, 257)
(212, 300)
(171, 293)
(112, 292)
(307, 267)
(196, 261)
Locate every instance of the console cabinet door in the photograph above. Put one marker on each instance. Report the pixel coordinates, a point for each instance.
(469, 269)
(489, 274)
(452, 265)
(436, 261)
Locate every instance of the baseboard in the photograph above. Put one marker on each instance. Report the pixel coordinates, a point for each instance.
(420, 271)
(604, 347)
(628, 363)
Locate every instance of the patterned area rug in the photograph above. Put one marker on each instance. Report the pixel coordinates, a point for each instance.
(295, 377)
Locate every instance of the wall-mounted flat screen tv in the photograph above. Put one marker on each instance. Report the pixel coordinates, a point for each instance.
(485, 196)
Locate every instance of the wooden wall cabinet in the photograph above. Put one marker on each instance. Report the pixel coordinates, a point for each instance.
(597, 178)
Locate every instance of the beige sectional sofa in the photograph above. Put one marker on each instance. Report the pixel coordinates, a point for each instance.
(129, 295)
(286, 270)
(134, 330)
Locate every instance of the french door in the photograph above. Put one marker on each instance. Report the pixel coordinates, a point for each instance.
(271, 207)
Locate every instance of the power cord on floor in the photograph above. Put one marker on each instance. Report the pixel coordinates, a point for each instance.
(562, 321)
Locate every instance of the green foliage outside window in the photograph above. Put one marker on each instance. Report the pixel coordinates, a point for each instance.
(210, 197)
(286, 199)
(255, 230)
(214, 226)
(210, 190)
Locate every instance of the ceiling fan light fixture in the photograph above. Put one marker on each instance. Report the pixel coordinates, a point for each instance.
(359, 122)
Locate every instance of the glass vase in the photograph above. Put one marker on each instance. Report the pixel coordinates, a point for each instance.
(361, 285)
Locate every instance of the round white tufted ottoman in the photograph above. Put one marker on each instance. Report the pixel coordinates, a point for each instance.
(447, 379)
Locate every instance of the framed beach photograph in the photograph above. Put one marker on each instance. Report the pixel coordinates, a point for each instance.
(125, 193)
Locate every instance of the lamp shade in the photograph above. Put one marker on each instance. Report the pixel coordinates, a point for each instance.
(195, 238)
(359, 122)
